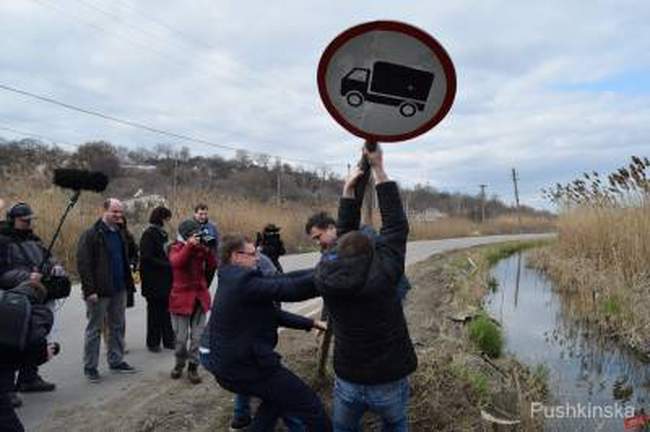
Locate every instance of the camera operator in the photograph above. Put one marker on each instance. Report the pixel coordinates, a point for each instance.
(271, 245)
(189, 300)
(20, 346)
(21, 254)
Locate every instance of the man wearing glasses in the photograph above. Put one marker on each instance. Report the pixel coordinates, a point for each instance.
(243, 335)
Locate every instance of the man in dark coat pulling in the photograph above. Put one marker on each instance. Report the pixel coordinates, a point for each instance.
(373, 353)
(244, 332)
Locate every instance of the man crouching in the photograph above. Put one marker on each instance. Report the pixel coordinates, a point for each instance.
(243, 335)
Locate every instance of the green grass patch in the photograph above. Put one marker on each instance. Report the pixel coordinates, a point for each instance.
(493, 284)
(486, 335)
(495, 254)
(611, 306)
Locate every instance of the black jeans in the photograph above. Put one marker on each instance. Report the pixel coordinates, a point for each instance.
(283, 394)
(9, 421)
(159, 325)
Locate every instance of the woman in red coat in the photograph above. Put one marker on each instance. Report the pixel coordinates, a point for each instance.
(189, 299)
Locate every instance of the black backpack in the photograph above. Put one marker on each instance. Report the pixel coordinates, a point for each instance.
(15, 317)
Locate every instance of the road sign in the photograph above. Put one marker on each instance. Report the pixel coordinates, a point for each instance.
(386, 81)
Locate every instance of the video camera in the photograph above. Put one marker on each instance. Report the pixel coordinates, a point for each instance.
(206, 239)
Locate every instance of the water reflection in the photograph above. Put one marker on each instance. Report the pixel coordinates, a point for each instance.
(584, 367)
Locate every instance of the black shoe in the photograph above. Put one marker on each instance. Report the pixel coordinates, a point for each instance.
(123, 367)
(193, 374)
(154, 349)
(170, 347)
(240, 423)
(92, 375)
(16, 402)
(37, 385)
(177, 372)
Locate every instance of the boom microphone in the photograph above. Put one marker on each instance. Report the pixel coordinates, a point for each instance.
(79, 180)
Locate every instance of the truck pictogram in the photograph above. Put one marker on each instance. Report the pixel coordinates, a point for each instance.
(388, 84)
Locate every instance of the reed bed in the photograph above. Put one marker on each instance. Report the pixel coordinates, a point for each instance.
(603, 249)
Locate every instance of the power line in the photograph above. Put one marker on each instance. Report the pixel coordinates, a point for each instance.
(147, 47)
(144, 45)
(189, 38)
(40, 137)
(118, 18)
(133, 124)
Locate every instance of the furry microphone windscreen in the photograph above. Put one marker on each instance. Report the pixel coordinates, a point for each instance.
(76, 179)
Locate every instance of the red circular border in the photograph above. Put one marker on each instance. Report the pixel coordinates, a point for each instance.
(396, 26)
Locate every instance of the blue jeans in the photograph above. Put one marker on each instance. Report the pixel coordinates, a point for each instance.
(389, 401)
(243, 407)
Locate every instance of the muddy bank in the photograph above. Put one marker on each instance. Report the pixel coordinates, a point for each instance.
(453, 386)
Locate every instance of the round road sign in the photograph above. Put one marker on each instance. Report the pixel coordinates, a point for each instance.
(386, 81)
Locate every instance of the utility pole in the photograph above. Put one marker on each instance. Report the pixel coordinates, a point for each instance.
(515, 179)
(483, 186)
(174, 181)
(278, 183)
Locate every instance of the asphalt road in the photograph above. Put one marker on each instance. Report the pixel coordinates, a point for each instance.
(66, 370)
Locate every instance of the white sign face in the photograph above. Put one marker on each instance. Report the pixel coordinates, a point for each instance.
(386, 81)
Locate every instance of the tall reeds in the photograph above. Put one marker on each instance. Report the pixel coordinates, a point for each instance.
(602, 255)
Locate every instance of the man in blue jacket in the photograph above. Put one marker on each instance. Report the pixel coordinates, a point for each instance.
(243, 334)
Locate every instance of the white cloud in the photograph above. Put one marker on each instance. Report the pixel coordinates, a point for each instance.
(244, 74)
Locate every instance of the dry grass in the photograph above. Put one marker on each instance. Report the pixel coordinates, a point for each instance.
(603, 250)
(600, 261)
(232, 214)
(462, 227)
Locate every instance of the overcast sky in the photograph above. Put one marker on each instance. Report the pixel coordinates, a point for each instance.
(552, 88)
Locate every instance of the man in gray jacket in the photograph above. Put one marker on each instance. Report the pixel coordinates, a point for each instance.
(103, 265)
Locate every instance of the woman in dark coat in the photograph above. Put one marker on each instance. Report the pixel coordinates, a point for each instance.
(156, 277)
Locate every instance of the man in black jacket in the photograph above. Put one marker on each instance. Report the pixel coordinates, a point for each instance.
(373, 353)
(243, 335)
(105, 273)
(21, 253)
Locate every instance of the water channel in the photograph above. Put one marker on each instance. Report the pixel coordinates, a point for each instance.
(592, 378)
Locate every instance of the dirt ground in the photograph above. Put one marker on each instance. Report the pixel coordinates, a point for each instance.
(452, 385)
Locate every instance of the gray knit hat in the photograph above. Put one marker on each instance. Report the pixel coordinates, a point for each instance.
(188, 227)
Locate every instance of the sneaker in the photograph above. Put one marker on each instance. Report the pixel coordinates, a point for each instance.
(123, 367)
(16, 402)
(92, 375)
(37, 385)
(240, 423)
